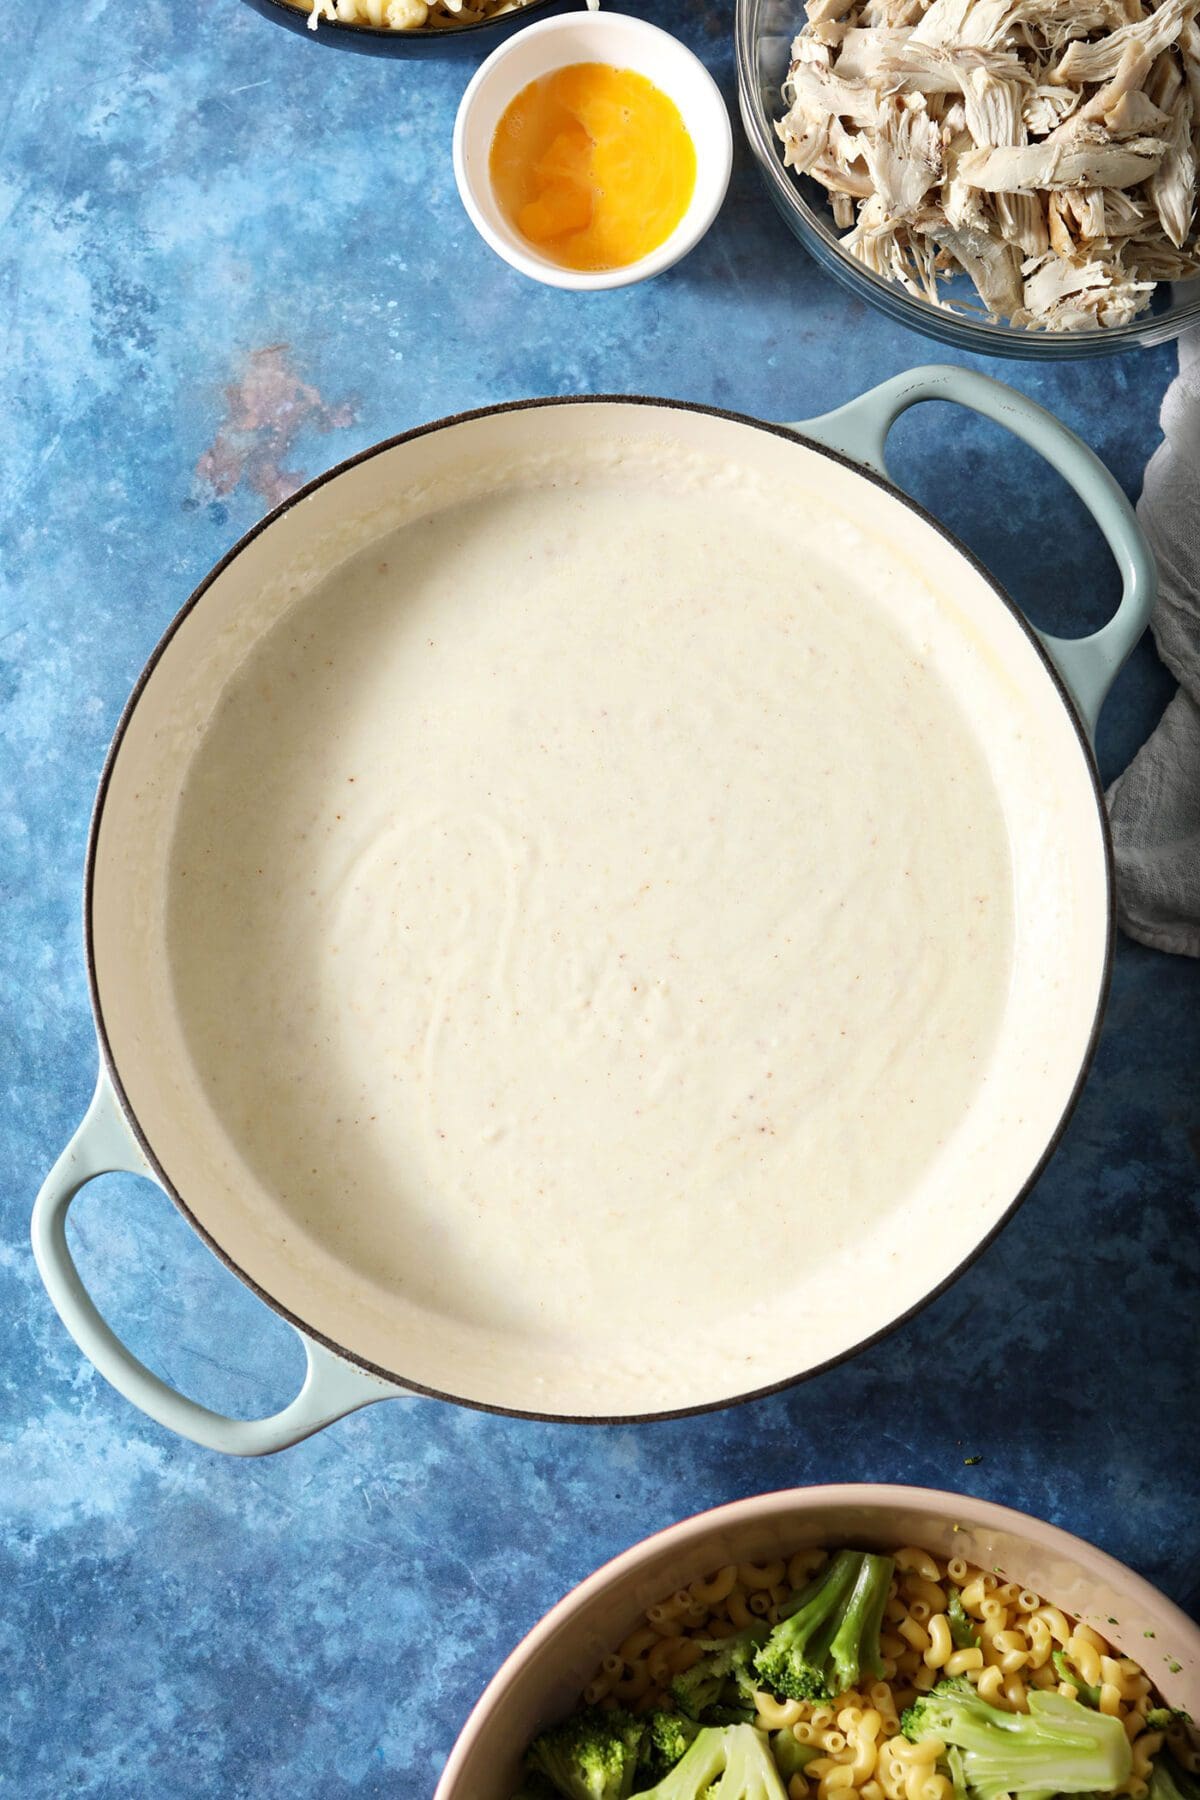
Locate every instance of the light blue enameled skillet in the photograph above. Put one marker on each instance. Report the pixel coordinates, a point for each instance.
(360, 1348)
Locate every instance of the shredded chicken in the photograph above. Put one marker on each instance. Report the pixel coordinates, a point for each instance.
(1084, 62)
(1172, 187)
(992, 107)
(1045, 167)
(904, 160)
(1046, 108)
(1048, 149)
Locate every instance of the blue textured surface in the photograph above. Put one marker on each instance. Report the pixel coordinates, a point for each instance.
(232, 257)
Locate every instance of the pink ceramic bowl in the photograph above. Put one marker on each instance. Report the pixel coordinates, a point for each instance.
(542, 1678)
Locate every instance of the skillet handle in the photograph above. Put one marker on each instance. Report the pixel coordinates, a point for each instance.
(332, 1388)
(1088, 665)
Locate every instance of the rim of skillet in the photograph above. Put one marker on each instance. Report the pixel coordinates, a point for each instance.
(393, 1376)
(783, 1502)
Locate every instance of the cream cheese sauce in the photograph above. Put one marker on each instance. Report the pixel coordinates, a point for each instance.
(591, 902)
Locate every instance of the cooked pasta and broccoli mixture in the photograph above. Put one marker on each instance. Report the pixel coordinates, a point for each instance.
(405, 15)
(849, 1675)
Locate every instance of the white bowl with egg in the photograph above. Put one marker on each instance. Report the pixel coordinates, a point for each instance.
(622, 42)
(597, 909)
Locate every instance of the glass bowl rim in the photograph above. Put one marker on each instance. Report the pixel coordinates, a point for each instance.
(985, 335)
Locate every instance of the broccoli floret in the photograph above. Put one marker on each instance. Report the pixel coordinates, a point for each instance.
(832, 1634)
(1057, 1747)
(697, 1770)
(1169, 1782)
(958, 1773)
(719, 1689)
(728, 1762)
(791, 1756)
(1167, 1718)
(962, 1631)
(750, 1770)
(855, 1647)
(593, 1755)
(1089, 1696)
(667, 1737)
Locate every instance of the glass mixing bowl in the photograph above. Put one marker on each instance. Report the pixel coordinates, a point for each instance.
(764, 31)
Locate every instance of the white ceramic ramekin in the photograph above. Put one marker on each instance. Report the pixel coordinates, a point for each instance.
(542, 1678)
(626, 43)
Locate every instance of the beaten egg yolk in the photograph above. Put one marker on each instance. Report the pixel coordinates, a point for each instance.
(593, 165)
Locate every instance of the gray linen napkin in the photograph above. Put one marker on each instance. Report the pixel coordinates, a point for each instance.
(1155, 805)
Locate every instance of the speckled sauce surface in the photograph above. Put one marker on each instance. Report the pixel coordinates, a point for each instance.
(231, 258)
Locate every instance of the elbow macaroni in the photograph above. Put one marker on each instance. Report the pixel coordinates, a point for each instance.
(862, 1754)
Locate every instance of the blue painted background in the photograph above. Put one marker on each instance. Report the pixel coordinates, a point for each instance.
(230, 258)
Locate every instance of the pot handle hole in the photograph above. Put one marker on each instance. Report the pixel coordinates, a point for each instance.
(1088, 665)
(332, 1387)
